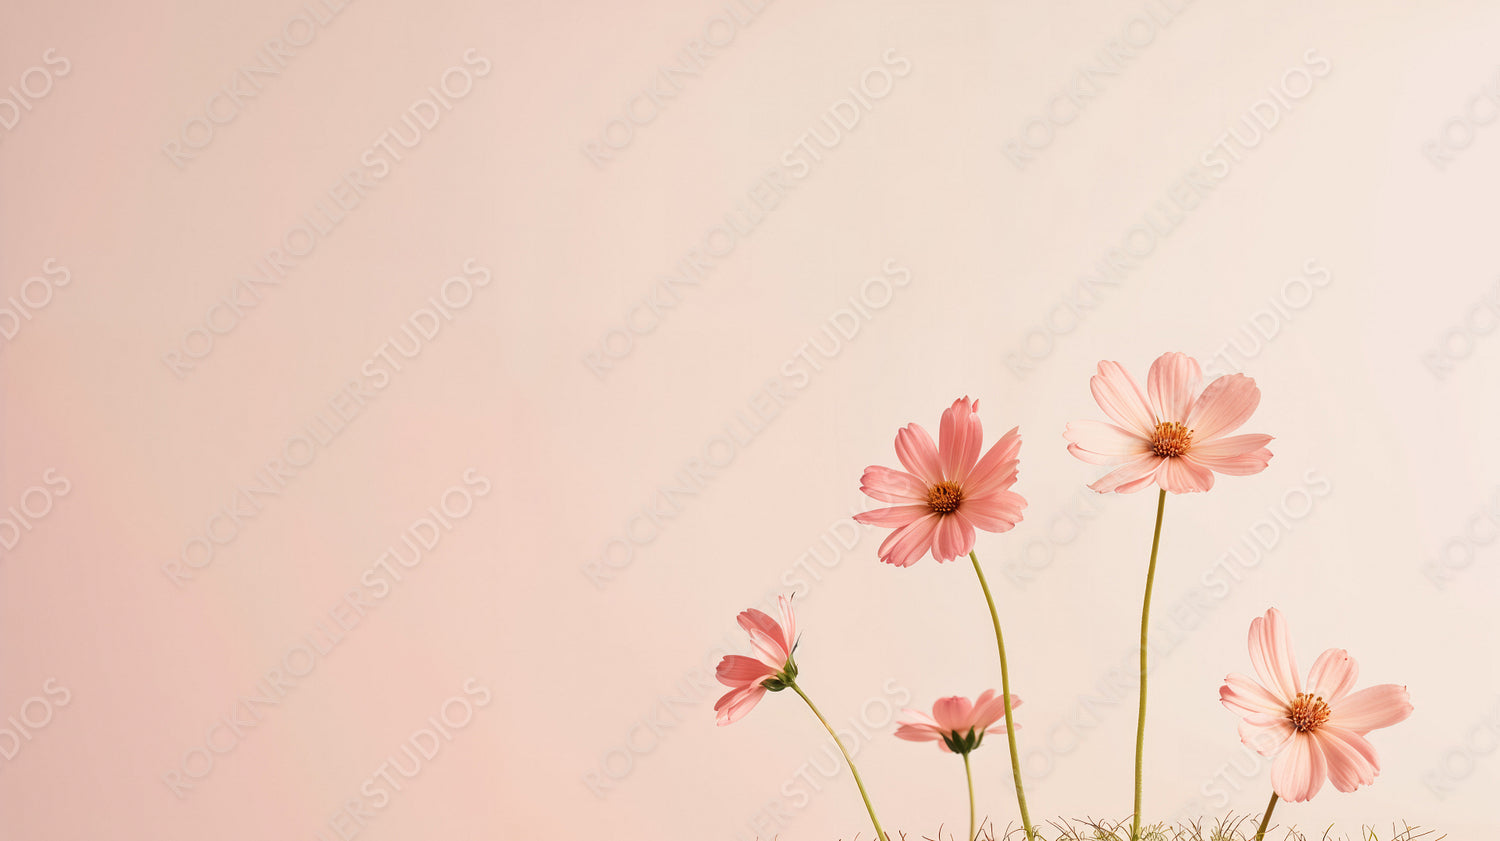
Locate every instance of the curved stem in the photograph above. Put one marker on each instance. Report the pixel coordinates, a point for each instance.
(1266, 821)
(970, 777)
(1010, 727)
(879, 833)
(1140, 723)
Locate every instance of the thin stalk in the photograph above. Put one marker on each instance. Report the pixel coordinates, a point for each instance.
(1266, 821)
(1010, 727)
(1140, 723)
(970, 777)
(879, 833)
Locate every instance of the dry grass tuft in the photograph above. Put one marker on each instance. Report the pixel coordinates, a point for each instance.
(1223, 829)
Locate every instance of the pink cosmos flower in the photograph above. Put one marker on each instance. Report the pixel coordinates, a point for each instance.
(946, 491)
(1315, 732)
(1172, 434)
(771, 669)
(957, 724)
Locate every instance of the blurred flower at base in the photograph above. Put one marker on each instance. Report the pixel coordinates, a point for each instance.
(957, 724)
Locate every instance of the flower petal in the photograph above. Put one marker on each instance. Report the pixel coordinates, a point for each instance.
(1009, 445)
(997, 470)
(1300, 770)
(1097, 442)
(767, 640)
(918, 454)
(1120, 398)
(960, 436)
(889, 485)
(1237, 455)
(757, 622)
(1245, 465)
(737, 702)
(989, 709)
(1171, 385)
(737, 670)
(1266, 735)
(1143, 482)
(788, 624)
(893, 518)
(1372, 708)
(1246, 697)
(1271, 654)
(998, 512)
(1222, 449)
(1223, 407)
(918, 732)
(906, 545)
(954, 537)
(1181, 475)
(1130, 476)
(916, 718)
(1333, 675)
(917, 726)
(1352, 761)
(953, 713)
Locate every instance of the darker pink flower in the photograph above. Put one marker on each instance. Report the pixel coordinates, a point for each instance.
(771, 669)
(1172, 434)
(1317, 731)
(957, 724)
(947, 491)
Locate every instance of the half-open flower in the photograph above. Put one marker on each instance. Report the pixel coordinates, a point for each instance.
(957, 724)
(1316, 731)
(771, 669)
(947, 490)
(1171, 434)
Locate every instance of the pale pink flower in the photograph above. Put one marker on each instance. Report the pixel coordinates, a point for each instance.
(1315, 732)
(1172, 434)
(947, 491)
(771, 669)
(957, 724)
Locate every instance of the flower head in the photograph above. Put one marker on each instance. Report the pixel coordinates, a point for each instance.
(771, 669)
(947, 490)
(1172, 434)
(1316, 731)
(957, 724)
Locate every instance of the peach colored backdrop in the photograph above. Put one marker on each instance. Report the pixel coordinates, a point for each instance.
(400, 400)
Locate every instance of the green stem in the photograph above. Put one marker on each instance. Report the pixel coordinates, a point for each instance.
(1140, 724)
(968, 775)
(879, 833)
(1266, 821)
(1010, 727)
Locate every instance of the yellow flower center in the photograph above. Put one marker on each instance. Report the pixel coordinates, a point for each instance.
(1309, 712)
(1171, 439)
(944, 497)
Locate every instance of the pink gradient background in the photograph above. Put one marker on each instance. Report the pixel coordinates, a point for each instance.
(574, 664)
